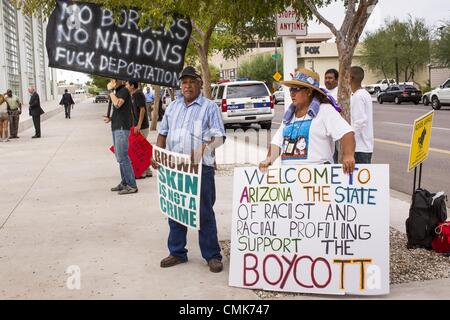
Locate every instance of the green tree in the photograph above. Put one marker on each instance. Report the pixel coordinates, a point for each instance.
(261, 68)
(215, 73)
(399, 48)
(99, 81)
(441, 48)
(378, 53)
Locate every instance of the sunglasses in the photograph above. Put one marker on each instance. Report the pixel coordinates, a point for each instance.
(296, 89)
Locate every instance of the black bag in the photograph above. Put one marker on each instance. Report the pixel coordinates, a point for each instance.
(426, 212)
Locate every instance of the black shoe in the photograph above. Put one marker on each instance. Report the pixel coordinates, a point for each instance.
(215, 265)
(171, 261)
(35, 136)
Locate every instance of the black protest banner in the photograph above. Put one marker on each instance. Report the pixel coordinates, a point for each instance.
(83, 37)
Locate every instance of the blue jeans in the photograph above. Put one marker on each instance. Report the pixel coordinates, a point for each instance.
(363, 157)
(120, 140)
(209, 244)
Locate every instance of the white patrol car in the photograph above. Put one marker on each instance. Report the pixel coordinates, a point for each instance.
(244, 103)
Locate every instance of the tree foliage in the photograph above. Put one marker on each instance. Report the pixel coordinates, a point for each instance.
(261, 67)
(99, 81)
(441, 48)
(405, 44)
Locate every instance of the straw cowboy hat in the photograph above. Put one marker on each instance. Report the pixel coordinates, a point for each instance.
(305, 78)
(2, 99)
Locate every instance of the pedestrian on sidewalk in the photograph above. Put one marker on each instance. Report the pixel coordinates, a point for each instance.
(14, 111)
(35, 110)
(149, 100)
(67, 102)
(310, 128)
(4, 119)
(140, 117)
(120, 101)
(193, 125)
(361, 111)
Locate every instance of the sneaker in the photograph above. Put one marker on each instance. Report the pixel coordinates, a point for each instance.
(119, 187)
(149, 172)
(215, 265)
(171, 261)
(128, 190)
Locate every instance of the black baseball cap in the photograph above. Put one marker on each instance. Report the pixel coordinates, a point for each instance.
(190, 72)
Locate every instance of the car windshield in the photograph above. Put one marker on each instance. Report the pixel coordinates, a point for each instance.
(103, 93)
(247, 90)
(404, 87)
(379, 81)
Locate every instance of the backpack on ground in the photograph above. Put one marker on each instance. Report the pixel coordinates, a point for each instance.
(426, 212)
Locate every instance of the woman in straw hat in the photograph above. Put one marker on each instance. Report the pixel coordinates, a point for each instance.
(310, 127)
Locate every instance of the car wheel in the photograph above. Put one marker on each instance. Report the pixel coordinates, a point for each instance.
(426, 101)
(435, 103)
(266, 125)
(397, 100)
(377, 90)
(416, 102)
(380, 101)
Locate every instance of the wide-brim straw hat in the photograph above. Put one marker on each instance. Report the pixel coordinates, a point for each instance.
(305, 78)
(2, 99)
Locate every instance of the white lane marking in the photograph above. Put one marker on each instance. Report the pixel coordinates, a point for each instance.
(406, 145)
(410, 125)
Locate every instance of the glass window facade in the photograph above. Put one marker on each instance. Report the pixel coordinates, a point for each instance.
(29, 52)
(42, 78)
(11, 46)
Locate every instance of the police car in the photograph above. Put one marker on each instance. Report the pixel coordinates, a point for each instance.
(244, 103)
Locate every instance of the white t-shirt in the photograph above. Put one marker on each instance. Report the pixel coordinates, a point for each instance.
(333, 93)
(361, 110)
(311, 140)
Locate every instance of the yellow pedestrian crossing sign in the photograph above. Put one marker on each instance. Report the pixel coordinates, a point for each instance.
(420, 142)
(277, 76)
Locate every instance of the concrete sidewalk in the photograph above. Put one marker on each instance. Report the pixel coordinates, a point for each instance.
(51, 108)
(57, 213)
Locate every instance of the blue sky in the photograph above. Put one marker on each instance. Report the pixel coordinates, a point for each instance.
(433, 11)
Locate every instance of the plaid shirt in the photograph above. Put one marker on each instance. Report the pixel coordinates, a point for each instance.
(187, 127)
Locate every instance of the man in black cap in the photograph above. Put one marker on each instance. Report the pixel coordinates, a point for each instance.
(193, 125)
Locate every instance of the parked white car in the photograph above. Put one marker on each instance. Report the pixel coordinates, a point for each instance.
(278, 96)
(381, 85)
(244, 103)
(440, 96)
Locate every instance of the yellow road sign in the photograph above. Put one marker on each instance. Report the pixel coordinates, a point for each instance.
(420, 142)
(277, 76)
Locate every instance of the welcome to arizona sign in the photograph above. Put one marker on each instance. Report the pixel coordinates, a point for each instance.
(311, 229)
(179, 187)
(83, 37)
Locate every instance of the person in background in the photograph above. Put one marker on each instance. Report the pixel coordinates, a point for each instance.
(4, 119)
(67, 102)
(35, 110)
(361, 112)
(140, 117)
(14, 111)
(331, 82)
(120, 101)
(149, 100)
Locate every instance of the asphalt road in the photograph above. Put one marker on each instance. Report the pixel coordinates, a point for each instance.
(393, 129)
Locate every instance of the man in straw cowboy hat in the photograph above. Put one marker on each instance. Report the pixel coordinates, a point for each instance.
(310, 127)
